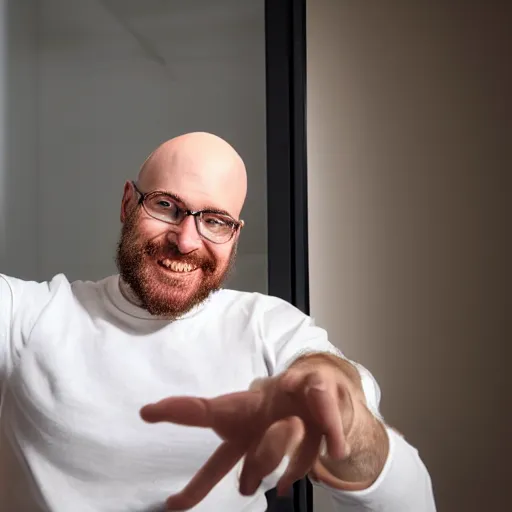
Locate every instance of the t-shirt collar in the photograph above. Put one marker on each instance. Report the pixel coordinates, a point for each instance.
(125, 299)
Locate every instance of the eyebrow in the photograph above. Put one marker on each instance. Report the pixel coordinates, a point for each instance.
(207, 209)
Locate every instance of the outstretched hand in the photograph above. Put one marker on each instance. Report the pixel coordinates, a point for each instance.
(289, 414)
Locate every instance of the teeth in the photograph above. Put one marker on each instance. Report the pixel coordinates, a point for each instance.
(177, 266)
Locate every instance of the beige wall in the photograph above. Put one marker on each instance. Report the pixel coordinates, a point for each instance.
(408, 122)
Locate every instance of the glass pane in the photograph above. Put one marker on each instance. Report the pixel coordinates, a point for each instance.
(93, 88)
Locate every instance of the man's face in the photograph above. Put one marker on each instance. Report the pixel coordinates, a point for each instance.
(170, 268)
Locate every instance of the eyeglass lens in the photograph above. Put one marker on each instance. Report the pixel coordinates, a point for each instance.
(213, 226)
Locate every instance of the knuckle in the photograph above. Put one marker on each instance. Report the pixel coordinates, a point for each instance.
(295, 426)
(258, 384)
(317, 380)
(289, 379)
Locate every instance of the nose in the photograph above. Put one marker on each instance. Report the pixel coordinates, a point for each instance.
(186, 236)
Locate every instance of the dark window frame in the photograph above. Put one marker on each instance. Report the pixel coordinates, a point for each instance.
(288, 278)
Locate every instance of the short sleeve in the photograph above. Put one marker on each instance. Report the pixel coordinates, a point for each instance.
(289, 334)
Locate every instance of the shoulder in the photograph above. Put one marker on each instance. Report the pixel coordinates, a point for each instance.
(92, 289)
(256, 303)
(266, 308)
(30, 293)
(28, 299)
(21, 305)
(272, 317)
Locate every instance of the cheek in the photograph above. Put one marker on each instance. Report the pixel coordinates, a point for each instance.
(221, 255)
(150, 229)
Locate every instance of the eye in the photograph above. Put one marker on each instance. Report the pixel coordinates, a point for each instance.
(164, 207)
(215, 221)
(162, 203)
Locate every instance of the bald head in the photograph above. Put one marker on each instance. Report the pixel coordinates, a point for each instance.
(201, 168)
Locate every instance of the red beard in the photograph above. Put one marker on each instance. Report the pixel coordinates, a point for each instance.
(160, 291)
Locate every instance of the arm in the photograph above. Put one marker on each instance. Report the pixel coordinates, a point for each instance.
(312, 393)
(21, 303)
(289, 415)
(383, 472)
(366, 434)
(404, 484)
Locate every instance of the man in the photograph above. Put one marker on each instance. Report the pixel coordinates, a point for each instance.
(241, 385)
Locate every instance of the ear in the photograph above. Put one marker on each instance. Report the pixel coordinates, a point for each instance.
(239, 231)
(128, 197)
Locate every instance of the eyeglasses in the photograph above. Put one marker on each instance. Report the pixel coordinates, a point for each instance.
(215, 226)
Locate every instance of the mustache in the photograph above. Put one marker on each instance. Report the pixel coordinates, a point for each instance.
(171, 251)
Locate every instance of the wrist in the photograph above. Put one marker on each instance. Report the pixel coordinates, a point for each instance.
(369, 452)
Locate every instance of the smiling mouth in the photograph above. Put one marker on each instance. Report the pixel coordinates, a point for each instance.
(177, 266)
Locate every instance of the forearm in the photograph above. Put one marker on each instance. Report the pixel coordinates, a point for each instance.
(404, 484)
(383, 472)
(369, 452)
(366, 435)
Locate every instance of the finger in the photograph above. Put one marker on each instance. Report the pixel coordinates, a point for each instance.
(189, 411)
(301, 462)
(322, 398)
(227, 414)
(260, 383)
(282, 438)
(214, 470)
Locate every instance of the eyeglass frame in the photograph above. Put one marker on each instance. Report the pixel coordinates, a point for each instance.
(237, 224)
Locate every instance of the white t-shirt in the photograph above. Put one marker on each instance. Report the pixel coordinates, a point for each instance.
(78, 361)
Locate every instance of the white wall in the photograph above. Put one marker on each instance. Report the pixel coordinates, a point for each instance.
(110, 81)
(408, 143)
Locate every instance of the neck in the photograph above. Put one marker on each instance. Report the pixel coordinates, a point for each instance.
(128, 293)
